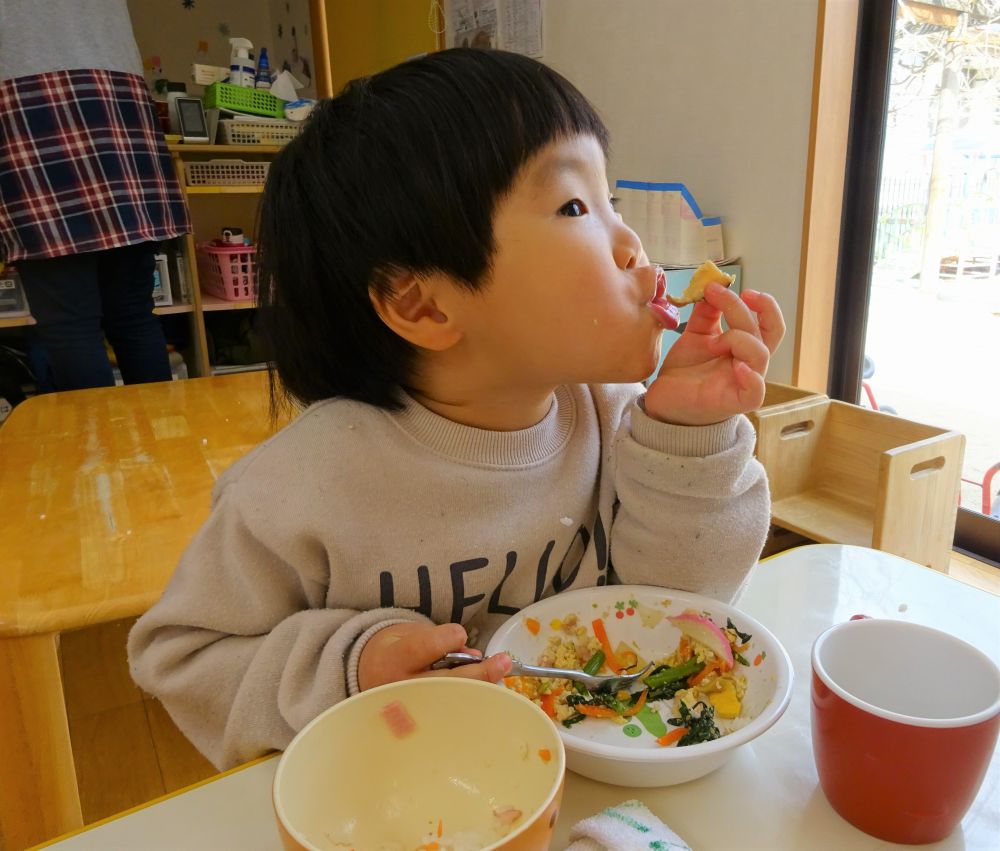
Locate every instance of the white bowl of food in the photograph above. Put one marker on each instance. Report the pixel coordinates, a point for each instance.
(719, 676)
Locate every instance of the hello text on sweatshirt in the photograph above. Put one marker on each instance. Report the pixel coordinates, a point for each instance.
(352, 518)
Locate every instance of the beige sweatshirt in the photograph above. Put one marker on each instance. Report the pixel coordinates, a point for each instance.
(352, 518)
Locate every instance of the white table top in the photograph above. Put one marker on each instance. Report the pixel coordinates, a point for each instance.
(767, 797)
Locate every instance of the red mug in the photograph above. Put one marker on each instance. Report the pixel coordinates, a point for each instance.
(904, 724)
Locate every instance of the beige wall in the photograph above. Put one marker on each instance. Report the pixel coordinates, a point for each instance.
(294, 44)
(176, 36)
(716, 94)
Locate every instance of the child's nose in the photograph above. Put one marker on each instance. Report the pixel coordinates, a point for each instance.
(627, 247)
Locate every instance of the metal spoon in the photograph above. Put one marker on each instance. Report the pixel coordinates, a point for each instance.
(596, 683)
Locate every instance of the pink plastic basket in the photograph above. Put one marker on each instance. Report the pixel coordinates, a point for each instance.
(228, 271)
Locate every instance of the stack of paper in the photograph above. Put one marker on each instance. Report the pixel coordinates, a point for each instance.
(670, 223)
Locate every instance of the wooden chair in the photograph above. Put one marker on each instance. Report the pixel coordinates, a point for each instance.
(781, 397)
(844, 474)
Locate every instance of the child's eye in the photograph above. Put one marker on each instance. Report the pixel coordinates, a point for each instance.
(613, 201)
(573, 208)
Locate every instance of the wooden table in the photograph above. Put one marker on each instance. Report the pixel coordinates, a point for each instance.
(100, 491)
(766, 798)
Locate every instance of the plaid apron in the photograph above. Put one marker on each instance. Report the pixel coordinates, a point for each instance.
(83, 166)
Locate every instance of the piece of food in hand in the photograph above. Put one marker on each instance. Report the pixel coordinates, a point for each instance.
(702, 629)
(398, 719)
(707, 273)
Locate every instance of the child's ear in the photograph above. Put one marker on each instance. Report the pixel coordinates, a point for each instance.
(411, 309)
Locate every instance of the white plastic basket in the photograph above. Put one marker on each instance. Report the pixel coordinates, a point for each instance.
(226, 173)
(236, 132)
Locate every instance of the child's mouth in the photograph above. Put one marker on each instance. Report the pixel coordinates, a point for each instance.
(666, 314)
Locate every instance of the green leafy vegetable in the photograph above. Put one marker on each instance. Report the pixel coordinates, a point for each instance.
(668, 691)
(701, 727)
(743, 636)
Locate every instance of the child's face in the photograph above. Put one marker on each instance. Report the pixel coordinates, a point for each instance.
(566, 301)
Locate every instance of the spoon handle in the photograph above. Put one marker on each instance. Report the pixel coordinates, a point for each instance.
(517, 669)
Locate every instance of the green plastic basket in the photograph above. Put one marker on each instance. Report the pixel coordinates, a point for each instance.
(242, 99)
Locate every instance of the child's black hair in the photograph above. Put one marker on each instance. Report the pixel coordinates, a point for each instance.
(402, 171)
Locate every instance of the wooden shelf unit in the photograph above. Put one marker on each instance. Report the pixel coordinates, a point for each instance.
(214, 207)
(16, 321)
(201, 303)
(168, 309)
(223, 190)
(213, 302)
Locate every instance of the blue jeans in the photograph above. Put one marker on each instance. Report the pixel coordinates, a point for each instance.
(78, 299)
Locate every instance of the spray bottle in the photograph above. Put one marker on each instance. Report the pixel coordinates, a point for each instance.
(241, 68)
(263, 79)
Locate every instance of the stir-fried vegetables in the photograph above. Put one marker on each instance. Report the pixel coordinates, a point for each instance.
(701, 685)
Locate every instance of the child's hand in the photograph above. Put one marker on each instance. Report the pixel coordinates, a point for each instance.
(406, 650)
(710, 375)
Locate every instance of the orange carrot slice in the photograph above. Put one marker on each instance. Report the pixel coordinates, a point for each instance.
(596, 711)
(601, 634)
(532, 625)
(684, 649)
(710, 668)
(632, 710)
(549, 704)
(545, 754)
(672, 736)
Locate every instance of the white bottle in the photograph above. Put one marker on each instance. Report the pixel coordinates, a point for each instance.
(241, 67)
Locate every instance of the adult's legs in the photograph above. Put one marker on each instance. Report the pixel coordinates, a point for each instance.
(125, 276)
(65, 300)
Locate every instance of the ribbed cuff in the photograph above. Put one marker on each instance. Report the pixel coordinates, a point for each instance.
(354, 657)
(687, 441)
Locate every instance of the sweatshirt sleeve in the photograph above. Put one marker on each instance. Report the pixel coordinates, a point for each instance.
(694, 504)
(242, 649)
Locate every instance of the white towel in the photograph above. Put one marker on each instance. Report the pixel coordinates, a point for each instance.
(628, 827)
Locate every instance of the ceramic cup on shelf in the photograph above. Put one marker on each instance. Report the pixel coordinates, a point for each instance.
(904, 724)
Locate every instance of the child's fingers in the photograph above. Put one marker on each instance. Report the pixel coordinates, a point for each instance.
(737, 312)
(492, 669)
(750, 385)
(769, 318)
(704, 319)
(420, 648)
(742, 346)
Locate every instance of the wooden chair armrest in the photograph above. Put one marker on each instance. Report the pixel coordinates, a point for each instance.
(917, 500)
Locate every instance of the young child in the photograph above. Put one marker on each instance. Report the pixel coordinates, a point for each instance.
(450, 295)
